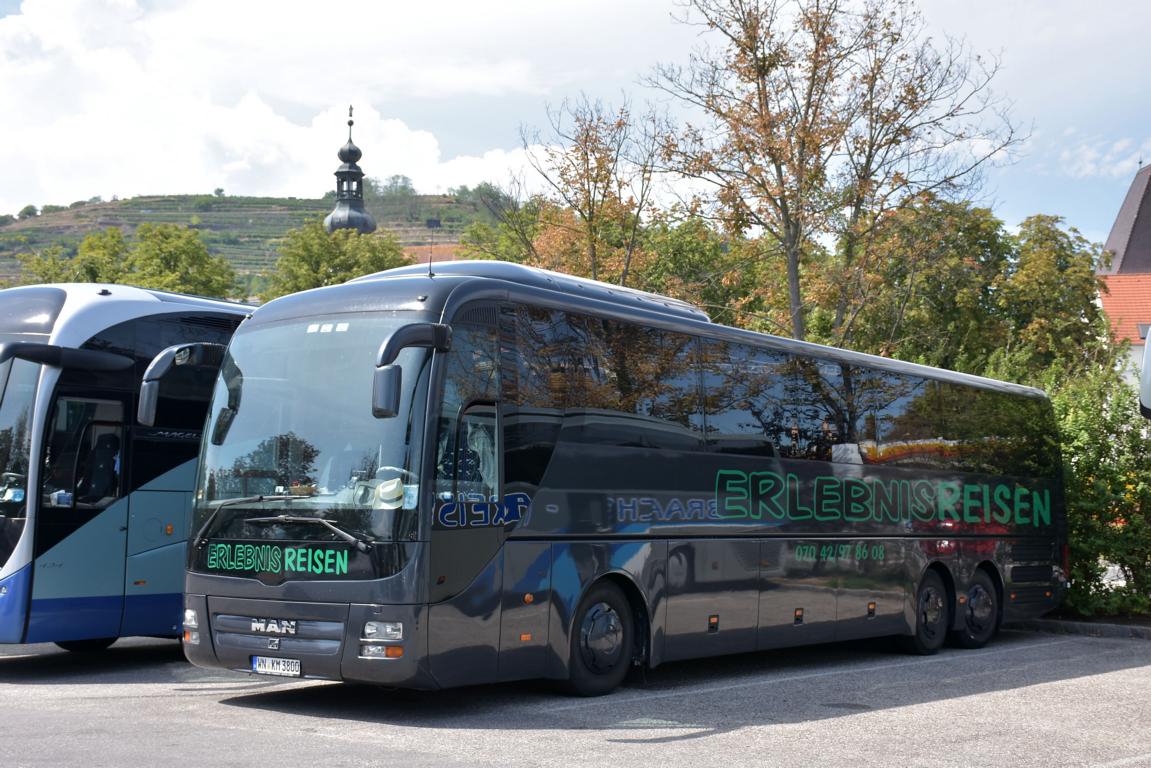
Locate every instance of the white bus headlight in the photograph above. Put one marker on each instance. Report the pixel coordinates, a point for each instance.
(383, 630)
(190, 619)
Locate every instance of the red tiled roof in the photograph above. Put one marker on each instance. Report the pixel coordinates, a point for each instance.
(1127, 303)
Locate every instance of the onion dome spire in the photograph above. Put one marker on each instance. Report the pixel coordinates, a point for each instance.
(349, 212)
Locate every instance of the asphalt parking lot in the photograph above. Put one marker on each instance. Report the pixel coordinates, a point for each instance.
(1027, 699)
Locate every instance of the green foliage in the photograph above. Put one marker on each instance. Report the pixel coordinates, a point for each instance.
(163, 256)
(173, 258)
(6, 219)
(311, 258)
(28, 212)
(1107, 454)
(53, 209)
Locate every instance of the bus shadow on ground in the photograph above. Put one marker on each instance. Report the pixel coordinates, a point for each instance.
(705, 697)
(127, 662)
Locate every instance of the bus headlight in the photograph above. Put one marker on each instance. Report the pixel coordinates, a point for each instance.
(190, 619)
(383, 630)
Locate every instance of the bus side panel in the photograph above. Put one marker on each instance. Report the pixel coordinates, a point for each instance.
(464, 631)
(524, 618)
(14, 591)
(877, 588)
(575, 566)
(153, 592)
(154, 573)
(713, 592)
(78, 585)
(797, 601)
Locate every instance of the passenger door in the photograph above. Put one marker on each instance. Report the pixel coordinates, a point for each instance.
(81, 527)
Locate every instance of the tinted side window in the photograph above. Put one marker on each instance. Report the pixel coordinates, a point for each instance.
(744, 396)
(900, 420)
(821, 398)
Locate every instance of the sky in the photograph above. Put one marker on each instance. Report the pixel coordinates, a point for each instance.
(130, 97)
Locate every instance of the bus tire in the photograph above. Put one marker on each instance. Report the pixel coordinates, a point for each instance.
(601, 641)
(87, 646)
(980, 613)
(932, 616)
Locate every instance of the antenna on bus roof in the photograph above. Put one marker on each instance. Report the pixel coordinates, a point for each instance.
(432, 225)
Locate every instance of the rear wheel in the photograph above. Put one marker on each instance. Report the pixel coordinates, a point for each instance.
(87, 646)
(601, 641)
(980, 613)
(932, 616)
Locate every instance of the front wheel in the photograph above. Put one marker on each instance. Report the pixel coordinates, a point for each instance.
(980, 613)
(932, 616)
(601, 641)
(87, 646)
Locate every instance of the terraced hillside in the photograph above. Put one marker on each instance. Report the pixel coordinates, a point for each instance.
(245, 230)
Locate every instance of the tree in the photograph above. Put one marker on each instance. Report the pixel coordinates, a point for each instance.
(1049, 296)
(6, 219)
(218, 191)
(28, 212)
(311, 258)
(517, 223)
(599, 164)
(931, 294)
(820, 115)
(162, 256)
(100, 258)
(173, 258)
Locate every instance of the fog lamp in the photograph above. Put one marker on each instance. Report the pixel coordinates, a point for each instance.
(191, 637)
(383, 630)
(190, 619)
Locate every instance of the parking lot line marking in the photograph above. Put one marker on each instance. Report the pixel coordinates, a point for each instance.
(721, 687)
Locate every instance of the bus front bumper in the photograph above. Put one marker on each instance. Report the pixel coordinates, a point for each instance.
(326, 641)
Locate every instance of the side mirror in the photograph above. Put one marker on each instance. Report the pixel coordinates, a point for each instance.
(64, 357)
(203, 355)
(386, 382)
(386, 391)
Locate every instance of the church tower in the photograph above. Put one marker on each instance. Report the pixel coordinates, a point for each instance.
(349, 212)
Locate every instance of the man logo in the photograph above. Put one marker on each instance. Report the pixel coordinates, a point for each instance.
(274, 626)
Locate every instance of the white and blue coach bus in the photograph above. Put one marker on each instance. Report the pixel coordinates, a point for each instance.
(94, 507)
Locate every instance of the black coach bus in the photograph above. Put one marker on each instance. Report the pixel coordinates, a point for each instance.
(495, 473)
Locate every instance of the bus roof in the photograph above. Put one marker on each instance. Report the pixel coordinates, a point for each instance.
(548, 280)
(90, 307)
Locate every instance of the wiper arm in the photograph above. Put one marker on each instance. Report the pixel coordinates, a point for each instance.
(359, 543)
(201, 539)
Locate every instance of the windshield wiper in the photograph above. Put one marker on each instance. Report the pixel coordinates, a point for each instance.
(202, 539)
(360, 543)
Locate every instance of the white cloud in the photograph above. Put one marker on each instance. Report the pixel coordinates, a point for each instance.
(1106, 158)
(128, 97)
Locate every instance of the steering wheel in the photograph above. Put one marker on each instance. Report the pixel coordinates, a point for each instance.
(12, 478)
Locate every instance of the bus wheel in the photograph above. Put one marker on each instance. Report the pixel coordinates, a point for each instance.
(601, 641)
(86, 646)
(932, 617)
(980, 614)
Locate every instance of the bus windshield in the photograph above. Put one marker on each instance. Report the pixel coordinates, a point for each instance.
(291, 449)
(18, 384)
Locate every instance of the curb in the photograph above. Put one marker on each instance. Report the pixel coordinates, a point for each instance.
(1089, 628)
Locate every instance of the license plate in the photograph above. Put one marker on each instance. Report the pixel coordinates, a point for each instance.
(266, 665)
